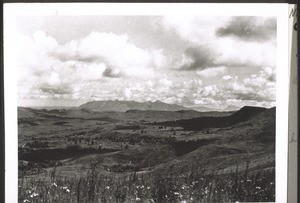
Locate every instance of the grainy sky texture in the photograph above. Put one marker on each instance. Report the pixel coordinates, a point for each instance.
(202, 62)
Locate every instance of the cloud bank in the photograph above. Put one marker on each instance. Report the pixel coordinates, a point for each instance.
(208, 62)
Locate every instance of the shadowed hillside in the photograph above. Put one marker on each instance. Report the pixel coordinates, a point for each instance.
(200, 123)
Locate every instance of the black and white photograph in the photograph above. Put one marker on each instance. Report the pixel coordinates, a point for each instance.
(146, 108)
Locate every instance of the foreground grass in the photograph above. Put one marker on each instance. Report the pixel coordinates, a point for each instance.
(168, 186)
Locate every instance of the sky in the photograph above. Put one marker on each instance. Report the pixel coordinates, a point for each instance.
(200, 62)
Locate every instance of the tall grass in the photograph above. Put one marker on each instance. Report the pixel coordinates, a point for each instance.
(159, 187)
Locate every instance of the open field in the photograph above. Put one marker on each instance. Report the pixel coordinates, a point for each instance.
(80, 155)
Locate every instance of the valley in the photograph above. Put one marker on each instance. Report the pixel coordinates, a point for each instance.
(233, 153)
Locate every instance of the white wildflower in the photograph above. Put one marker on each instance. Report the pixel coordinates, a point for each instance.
(34, 195)
(26, 200)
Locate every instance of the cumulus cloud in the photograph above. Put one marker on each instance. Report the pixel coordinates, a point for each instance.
(212, 72)
(55, 70)
(232, 92)
(161, 88)
(114, 65)
(258, 87)
(226, 77)
(249, 28)
(225, 41)
(123, 57)
(236, 54)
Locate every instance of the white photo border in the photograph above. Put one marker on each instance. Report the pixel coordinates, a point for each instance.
(12, 10)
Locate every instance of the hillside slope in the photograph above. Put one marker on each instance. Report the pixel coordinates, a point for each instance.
(200, 123)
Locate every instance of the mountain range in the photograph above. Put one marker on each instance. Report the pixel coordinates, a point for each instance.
(123, 106)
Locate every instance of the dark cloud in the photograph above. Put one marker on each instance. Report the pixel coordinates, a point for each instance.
(272, 78)
(111, 73)
(249, 28)
(202, 57)
(56, 90)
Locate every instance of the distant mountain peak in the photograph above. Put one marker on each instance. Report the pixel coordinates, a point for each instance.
(251, 107)
(123, 106)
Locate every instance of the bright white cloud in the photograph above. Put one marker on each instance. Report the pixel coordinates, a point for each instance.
(226, 77)
(54, 68)
(116, 52)
(241, 53)
(212, 72)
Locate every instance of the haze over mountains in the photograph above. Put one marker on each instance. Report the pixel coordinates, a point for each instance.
(123, 106)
